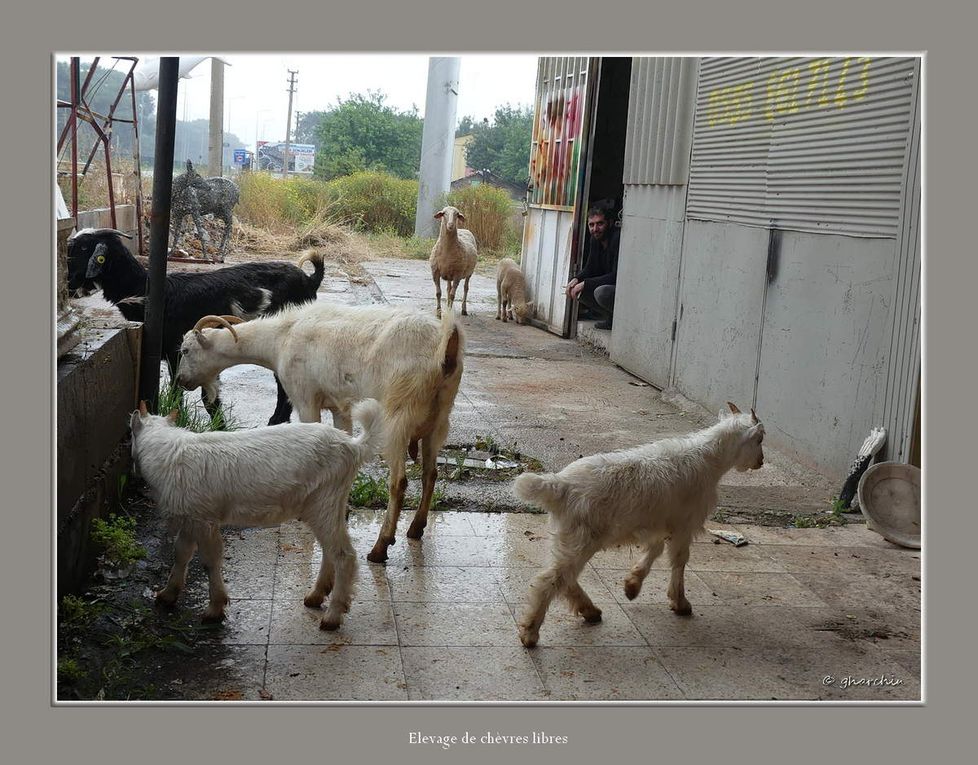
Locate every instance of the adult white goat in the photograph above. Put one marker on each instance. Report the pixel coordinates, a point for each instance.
(453, 257)
(259, 477)
(329, 356)
(650, 495)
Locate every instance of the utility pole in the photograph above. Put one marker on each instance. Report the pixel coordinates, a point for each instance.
(437, 141)
(288, 123)
(215, 153)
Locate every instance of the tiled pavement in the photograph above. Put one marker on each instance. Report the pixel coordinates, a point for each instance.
(772, 620)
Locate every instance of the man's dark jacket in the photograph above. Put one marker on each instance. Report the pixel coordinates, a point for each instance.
(600, 263)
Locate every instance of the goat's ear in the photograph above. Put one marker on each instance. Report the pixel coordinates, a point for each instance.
(733, 408)
(440, 214)
(143, 409)
(135, 423)
(173, 415)
(204, 342)
(96, 261)
(460, 216)
(753, 417)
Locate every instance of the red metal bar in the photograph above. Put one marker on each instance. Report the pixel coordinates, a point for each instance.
(73, 119)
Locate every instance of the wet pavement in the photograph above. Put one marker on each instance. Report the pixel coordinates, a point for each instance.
(796, 614)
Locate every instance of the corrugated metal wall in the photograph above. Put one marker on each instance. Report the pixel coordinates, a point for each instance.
(660, 116)
(903, 372)
(802, 144)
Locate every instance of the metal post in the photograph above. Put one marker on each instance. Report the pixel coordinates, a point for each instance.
(437, 141)
(215, 155)
(73, 121)
(159, 229)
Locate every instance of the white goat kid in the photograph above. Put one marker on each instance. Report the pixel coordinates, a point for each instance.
(329, 356)
(511, 300)
(652, 495)
(259, 477)
(453, 257)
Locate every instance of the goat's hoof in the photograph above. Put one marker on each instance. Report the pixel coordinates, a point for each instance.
(377, 556)
(529, 639)
(683, 608)
(212, 617)
(313, 600)
(591, 615)
(166, 598)
(328, 625)
(632, 589)
(416, 531)
(464, 312)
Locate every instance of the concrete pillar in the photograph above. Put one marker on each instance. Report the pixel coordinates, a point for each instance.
(215, 144)
(437, 141)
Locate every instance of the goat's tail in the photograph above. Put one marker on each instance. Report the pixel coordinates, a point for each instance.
(544, 490)
(451, 348)
(370, 415)
(316, 258)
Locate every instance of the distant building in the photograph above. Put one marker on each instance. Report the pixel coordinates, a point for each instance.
(476, 177)
(459, 168)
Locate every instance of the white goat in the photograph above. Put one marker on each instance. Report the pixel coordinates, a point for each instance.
(648, 495)
(511, 293)
(329, 356)
(453, 257)
(260, 477)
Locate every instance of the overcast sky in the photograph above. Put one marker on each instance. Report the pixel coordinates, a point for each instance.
(256, 86)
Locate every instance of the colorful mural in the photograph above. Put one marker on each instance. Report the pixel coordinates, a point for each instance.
(555, 153)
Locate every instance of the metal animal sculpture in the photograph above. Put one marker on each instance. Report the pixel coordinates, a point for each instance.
(196, 196)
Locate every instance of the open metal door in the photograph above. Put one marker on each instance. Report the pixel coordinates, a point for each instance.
(550, 235)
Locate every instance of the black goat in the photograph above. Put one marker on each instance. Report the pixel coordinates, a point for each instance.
(98, 258)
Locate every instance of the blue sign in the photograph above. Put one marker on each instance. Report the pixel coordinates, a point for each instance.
(240, 155)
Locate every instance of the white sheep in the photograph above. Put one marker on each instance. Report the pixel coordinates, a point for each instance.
(648, 496)
(259, 477)
(329, 356)
(511, 293)
(453, 257)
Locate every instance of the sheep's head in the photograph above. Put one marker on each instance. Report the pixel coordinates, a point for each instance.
(449, 217)
(523, 312)
(750, 454)
(196, 363)
(91, 254)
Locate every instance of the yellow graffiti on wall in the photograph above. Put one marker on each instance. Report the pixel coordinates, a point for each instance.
(792, 90)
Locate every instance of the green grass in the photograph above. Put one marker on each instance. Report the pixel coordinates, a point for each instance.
(116, 540)
(368, 491)
(190, 416)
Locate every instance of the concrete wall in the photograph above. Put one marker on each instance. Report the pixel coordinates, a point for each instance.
(97, 385)
(648, 280)
(125, 221)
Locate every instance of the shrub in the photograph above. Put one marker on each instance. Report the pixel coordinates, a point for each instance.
(377, 202)
(489, 216)
(116, 538)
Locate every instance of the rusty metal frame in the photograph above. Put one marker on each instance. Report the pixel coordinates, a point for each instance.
(102, 125)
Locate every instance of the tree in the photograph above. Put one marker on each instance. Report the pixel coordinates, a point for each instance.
(364, 133)
(306, 126)
(503, 146)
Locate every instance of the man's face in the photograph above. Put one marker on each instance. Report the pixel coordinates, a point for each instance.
(598, 226)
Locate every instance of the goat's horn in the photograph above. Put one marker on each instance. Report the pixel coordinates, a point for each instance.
(215, 321)
(733, 408)
(232, 319)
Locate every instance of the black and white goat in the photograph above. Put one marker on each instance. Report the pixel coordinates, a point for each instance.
(99, 259)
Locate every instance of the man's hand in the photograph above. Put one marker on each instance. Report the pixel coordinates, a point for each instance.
(570, 287)
(574, 291)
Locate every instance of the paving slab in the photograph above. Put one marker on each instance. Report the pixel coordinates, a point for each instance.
(771, 619)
